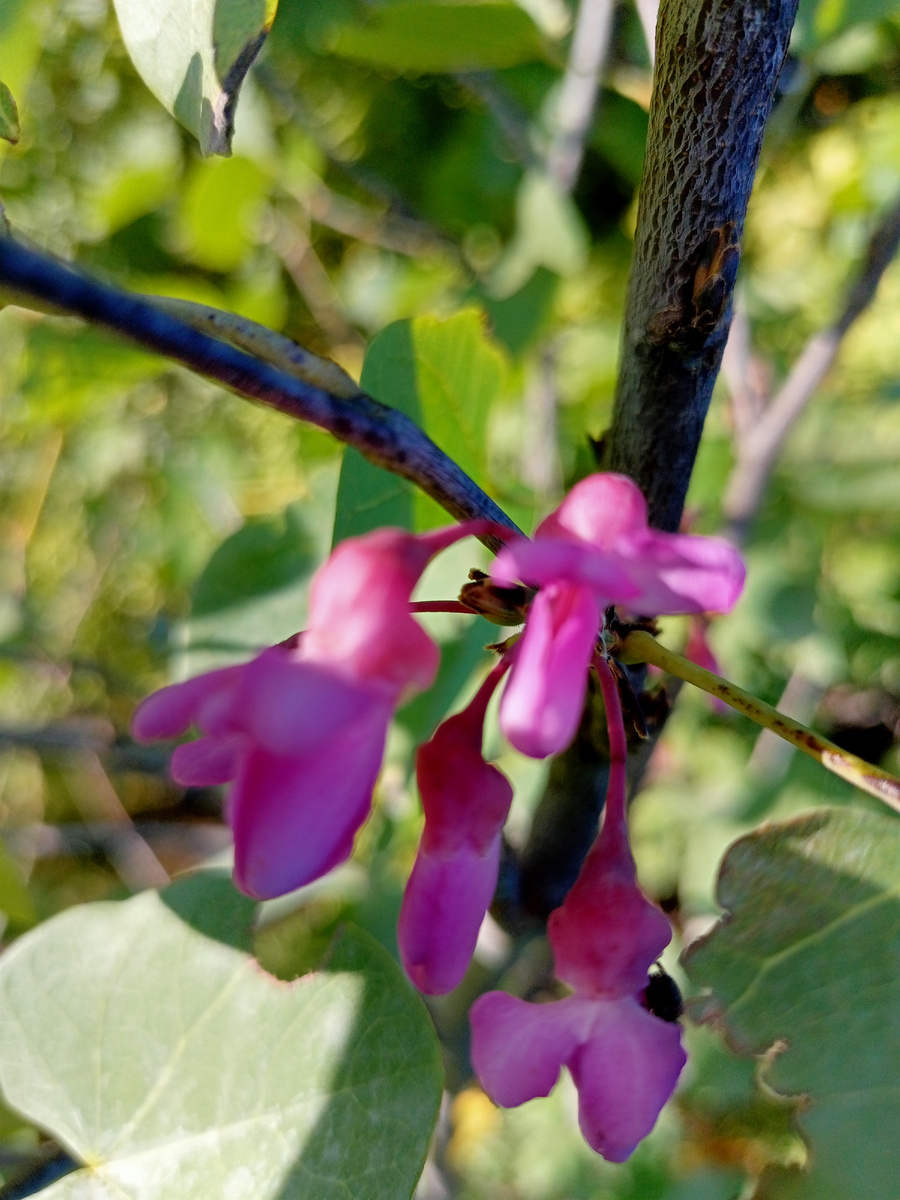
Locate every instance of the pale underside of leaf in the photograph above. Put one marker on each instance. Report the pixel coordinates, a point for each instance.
(175, 1067)
(194, 55)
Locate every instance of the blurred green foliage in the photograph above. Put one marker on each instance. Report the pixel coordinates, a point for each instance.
(152, 523)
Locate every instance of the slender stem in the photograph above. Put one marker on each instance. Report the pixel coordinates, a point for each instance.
(383, 435)
(578, 93)
(441, 606)
(640, 647)
(477, 706)
(614, 834)
(511, 118)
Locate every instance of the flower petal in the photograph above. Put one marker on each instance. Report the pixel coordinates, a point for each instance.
(465, 799)
(685, 573)
(359, 609)
(598, 510)
(290, 706)
(541, 707)
(606, 936)
(625, 1072)
(294, 818)
(443, 907)
(170, 711)
(518, 1048)
(208, 761)
(552, 560)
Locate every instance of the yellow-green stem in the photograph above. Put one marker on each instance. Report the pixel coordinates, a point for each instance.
(640, 647)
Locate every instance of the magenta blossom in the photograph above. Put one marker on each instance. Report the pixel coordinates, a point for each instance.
(624, 1060)
(301, 730)
(595, 550)
(466, 802)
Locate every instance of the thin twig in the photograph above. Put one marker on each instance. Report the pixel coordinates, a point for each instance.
(761, 444)
(391, 231)
(640, 647)
(383, 435)
(578, 92)
(294, 248)
(771, 756)
(135, 863)
(512, 120)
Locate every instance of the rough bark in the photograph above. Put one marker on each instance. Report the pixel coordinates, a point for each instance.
(717, 65)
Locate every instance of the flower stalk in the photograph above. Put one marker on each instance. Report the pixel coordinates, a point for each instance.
(640, 647)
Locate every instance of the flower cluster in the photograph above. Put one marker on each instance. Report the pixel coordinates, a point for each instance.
(300, 733)
(606, 935)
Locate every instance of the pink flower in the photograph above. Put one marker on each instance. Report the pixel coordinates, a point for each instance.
(280, 728)
(466, 802)
(301, 730)
(595, 550)
(624, 1060)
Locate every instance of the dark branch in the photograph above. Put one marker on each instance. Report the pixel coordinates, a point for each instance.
(717, 64)
(386, 437)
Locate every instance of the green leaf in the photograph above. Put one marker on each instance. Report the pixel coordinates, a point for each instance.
(23, 32)
(550, 232)
(423, 37)
(171, 1065)
(369, 497)
(253, 592)
(194, 55)
(517, 319)
(15, 902)
(442, 374)
(73, 372)
(9, 115)
(831, 17)
(218, 211)
(459, 657)
(806, 961)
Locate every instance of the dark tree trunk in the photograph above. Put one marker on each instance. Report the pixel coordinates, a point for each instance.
(717, 65)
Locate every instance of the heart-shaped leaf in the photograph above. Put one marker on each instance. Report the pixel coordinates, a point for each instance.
(807, 960)
(147, 1040)
(193, 55)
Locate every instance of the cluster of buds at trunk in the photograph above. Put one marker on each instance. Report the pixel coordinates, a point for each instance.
(300, 733)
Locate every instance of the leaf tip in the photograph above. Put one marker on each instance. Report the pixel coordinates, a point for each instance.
(10, 128)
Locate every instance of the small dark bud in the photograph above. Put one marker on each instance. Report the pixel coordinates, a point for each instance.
(499, 605)
(662, 997)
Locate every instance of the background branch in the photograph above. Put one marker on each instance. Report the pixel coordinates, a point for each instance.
(383, 435)
(717, 65)
(759, 444)
(577, 99)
